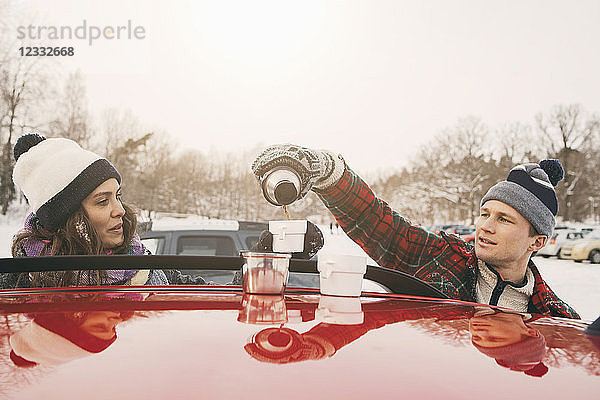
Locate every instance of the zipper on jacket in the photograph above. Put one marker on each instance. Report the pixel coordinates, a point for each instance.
(500, 285)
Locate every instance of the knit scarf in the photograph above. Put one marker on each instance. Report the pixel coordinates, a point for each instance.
(34, 248)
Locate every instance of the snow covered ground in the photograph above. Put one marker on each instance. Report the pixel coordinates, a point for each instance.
(577, 284)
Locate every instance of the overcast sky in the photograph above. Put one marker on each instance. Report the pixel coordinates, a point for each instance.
(372, 80)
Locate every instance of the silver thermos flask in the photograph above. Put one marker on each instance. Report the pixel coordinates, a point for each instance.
(281, 186)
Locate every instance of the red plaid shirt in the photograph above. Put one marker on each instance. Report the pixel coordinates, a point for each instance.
(341, 335)
(444, 261)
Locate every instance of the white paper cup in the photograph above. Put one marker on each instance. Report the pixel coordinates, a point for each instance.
(288, 236)
(340, 310)
(265, 273)
(341, 274)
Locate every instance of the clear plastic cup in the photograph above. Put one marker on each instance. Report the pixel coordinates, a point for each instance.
(265, 273)
(262, 309)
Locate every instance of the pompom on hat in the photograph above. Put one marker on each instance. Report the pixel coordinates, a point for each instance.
(56, 175)
(529, 189)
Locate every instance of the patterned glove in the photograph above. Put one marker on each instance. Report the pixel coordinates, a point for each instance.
(315, 167)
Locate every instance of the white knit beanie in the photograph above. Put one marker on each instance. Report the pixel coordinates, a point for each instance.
(52, 339)
(56, 175)
(39, 345)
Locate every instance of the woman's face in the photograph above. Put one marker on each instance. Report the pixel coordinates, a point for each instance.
(105, 212)
(102, 324)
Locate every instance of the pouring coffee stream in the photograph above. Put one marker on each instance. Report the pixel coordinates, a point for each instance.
(285, 211)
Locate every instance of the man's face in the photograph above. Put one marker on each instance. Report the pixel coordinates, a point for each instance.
(498, 330)
(502, 236)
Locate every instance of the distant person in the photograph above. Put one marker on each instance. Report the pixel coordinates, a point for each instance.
(75, 198)
(516, 218)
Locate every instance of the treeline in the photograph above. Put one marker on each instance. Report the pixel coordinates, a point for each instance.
(157, 176)
(449, 175)
(444, 181)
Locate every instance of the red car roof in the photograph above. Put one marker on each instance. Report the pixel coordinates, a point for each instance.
(197, 343)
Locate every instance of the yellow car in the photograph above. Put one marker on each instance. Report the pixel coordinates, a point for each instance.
(587, 248)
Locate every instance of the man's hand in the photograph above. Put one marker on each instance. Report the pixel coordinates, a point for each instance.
(313, 166)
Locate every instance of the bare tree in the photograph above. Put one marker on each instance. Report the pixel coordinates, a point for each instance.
(115, 127)
(23, 87)
(150, 184)
(18, 94)
(462, 175)
(72, 117)
(515, 142)
(568, 133)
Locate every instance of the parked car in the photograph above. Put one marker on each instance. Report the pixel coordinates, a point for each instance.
(559, 239)
(218, 342)
(464, 231)
(448, 228)
(589, 229)
(587, 248)
(202, 237)
(467, 233)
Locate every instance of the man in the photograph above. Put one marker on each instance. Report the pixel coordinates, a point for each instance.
(517, 217)
(509, 340)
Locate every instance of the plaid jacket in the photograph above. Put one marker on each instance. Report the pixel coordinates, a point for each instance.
(444, 261)
(339, 336)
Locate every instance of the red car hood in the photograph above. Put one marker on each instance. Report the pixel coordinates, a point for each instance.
(220, 344)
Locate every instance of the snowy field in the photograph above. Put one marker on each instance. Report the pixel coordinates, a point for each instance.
(576, 283)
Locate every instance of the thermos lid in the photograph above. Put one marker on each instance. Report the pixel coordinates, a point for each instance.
(281, 186)
(285, 192)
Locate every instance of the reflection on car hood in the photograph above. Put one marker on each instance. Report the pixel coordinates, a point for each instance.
(196, 343)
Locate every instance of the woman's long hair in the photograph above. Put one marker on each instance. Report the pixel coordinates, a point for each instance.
(77, 237)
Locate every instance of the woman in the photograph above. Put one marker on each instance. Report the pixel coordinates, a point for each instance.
(54, 338)
(75, 197)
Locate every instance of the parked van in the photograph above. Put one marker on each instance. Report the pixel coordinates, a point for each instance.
(194, 236)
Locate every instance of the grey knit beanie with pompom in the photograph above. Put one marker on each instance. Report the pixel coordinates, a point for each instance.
(529, 189)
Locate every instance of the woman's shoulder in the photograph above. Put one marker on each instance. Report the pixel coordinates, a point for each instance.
(14, 280)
